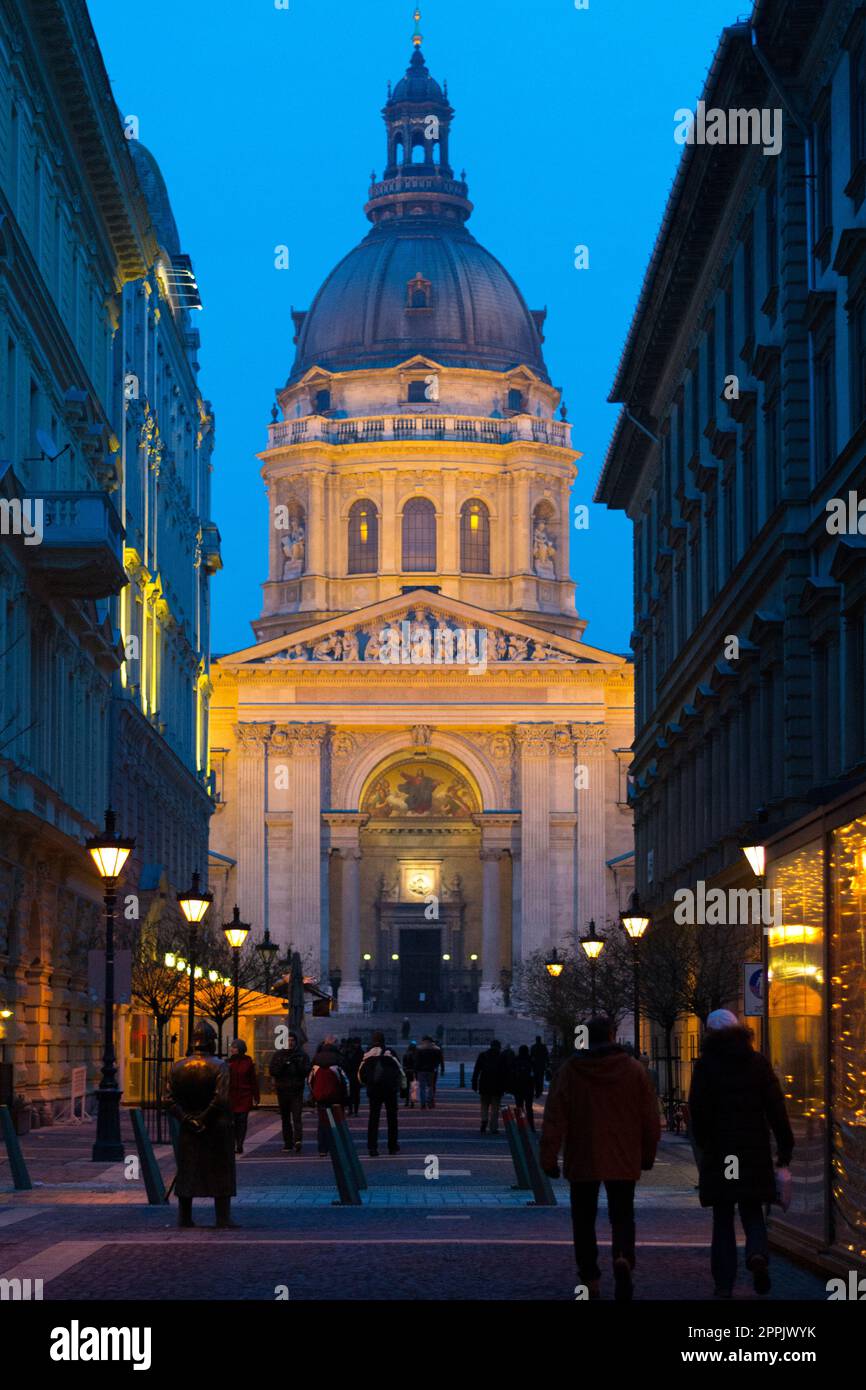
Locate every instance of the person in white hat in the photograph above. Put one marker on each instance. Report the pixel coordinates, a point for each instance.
(734, 1103)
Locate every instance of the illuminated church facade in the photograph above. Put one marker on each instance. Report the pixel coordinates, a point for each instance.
(421, 766)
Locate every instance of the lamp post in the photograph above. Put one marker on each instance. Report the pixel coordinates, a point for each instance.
(634, 924)
(236, 933)
(109, 853)
(554, 967)
(268, 951)
(593, 946)
(757, 857)
(194, 903)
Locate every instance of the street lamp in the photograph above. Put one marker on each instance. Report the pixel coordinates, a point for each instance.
(268, 950)
(554, 966)
(635, 924)
(109, 854)
(593, 946)
(194, 903)
(757, 857)
(236, 934)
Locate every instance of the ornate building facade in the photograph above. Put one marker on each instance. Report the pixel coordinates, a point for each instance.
(105, 447)
(746, 361)
(421, 765)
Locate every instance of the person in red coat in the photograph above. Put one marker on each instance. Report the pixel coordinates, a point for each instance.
(243, 1089)
(601, 1108)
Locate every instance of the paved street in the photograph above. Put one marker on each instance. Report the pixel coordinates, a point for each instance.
(87, 1232)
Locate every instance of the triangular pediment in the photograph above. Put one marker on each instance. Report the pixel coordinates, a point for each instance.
(352, 638)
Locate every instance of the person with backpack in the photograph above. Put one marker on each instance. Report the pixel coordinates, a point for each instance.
(381, 1073)
(488, 1079)
(329, 1086)
(427, 1061)
(410, 1058)
(523, 1083)
(735, 1102)
(290, 1067)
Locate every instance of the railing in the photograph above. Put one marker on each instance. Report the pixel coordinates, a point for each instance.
(463, 429)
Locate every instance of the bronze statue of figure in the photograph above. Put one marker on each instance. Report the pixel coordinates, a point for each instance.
(198, 1096)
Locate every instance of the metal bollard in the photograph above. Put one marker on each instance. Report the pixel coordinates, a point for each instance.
(462, 1076)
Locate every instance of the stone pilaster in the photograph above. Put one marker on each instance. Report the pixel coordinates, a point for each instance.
(279, 883)
(251, 745)
(535, 742)
(589, 742)
(303, 744)
(490, 993)
(345, 829)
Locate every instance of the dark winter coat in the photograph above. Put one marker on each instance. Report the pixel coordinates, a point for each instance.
(428, 1058)
(243, 1085)
(602, 1111)
(489, 1077)
(523, 1080)
(540, 1058)
(734, 1103)
(290, 1068)
(381, 1062)
(198, 1097)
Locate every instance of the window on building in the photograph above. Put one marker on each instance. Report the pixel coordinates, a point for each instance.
(858, 105)
(474, 538)
(322, 402)
(772, 229)
(772, 452)
(695, 581)
(419, 535)
(749, 285)
(730, 522)
(417, 392)
(695, 444)
(824, 176)
(824, 423)
(363, 538)
(750, 489)
(712, 554)
(712, 385)
(729, 331)
(858, 363)
(515, 399)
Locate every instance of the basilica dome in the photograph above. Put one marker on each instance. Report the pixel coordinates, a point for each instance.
(419, 282)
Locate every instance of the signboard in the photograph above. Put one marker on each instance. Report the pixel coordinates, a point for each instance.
(753, 989)
(78, 1092)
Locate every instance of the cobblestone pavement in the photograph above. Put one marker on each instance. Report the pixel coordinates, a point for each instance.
(87, 1232)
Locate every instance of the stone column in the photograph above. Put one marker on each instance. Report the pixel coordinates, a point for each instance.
(490, 993)
(351, 996)
(251, 743)
(305, 744)
(317, 525)
(535, 742)
(591, 870)
(345, 828)
(389, 538)
(279, 861)
(449, 562)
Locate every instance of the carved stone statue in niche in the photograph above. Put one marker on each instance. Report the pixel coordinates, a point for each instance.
(294, 547)
(543, 550)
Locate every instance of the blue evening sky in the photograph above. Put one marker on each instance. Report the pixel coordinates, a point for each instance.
(266, 124)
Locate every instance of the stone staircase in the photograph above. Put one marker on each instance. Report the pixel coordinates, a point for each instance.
(462, 1036)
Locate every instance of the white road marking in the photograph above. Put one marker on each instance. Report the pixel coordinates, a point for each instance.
(54, 1260)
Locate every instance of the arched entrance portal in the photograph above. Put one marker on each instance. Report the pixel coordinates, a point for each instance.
(423, 902)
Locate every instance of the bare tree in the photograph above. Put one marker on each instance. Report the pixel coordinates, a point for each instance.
(716, 955)
(665, 966)
(161, 989)
(566, 1000)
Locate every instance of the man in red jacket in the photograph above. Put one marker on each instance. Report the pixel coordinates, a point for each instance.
(243, 1089)
(602, 1109)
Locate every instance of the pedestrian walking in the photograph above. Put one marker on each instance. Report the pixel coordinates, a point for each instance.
(411, 1073)
(540, 1059)
(290, 1067)
(524, 1083)
(198, 1096)
(243, 1090)
(381, 1073)
(354, 1055)
(488, 1079)
(734, 1102)
(602, 1111)
(405, 1029)
(329, 1086)
(428, 1059)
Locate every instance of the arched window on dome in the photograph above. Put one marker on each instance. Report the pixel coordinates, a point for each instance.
(363, 538)
(474, 537)
(417, 392)
(419, 536)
